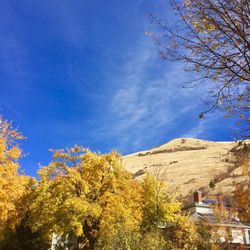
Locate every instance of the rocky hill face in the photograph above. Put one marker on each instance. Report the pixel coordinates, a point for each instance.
(190, 164)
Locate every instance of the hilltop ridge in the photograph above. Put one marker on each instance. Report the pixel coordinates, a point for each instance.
(188, 164)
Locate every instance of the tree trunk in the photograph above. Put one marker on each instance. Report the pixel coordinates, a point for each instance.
(92, 243)
(90, 237)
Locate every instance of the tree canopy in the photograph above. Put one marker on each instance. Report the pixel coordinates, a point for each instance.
(86, 194)
(14, 186)
(242, 191)
(91, 197)
(87, 200)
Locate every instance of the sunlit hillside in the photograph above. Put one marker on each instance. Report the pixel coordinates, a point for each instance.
(189, 164)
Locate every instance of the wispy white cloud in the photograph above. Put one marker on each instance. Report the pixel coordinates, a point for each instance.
(145, 102)
(143, 95)
(201, 128)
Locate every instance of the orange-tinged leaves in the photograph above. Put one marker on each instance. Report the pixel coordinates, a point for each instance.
(242, 192)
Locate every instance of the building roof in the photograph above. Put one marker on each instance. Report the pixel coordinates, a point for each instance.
(212, 219)
(202, 209)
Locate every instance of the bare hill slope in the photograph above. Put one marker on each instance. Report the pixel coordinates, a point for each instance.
(189, 164)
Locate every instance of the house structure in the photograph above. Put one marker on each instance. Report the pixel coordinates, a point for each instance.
(203, 210)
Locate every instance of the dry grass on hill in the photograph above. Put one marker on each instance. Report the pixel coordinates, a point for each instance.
(190, 164)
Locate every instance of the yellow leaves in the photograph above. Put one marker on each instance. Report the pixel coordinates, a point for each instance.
(75, 205)
(6, 131)
(77, 228)
(13, 186)
(158, 205)
(2, 146)
(91, 195)
(202, 25)
(242, 191)
(207, 26)
(123, 206)
(14, 153)
(80, 192)
(242, 78)
(171, 210)
(182, 234)
(85, 193)
(214, 46)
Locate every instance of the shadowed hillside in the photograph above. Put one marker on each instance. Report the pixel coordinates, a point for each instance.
(189, 164)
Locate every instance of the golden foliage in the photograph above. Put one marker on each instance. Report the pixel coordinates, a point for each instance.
(242, 192)
(159, 207)
(86, 194)
(182, 234)
(13, 186)
(91, 196)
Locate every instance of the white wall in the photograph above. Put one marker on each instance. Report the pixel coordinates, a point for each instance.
(247, 235)
(238, 236)
(204, 210)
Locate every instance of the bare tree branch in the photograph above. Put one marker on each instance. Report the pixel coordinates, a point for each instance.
(212, 39)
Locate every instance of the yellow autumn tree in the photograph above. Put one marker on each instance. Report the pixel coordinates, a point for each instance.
(242, 191)
(182, 234)
(164, 226)
(159, 206)
(14, 186)
(87, 195)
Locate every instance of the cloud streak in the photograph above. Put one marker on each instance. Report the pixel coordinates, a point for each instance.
(147, 102)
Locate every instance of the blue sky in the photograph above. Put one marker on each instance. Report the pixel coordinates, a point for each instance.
(84, 72)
